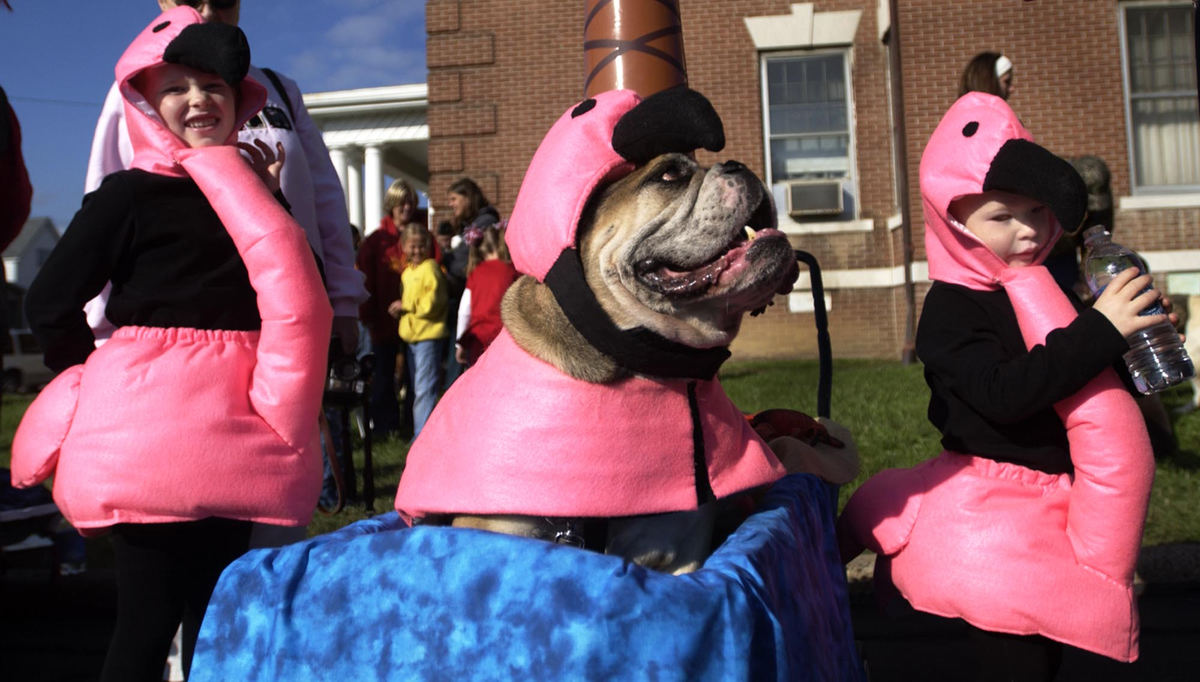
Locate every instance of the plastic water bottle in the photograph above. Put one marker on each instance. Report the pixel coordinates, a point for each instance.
(1156, 357)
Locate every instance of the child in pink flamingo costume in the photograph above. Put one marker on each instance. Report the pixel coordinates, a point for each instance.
(199, 415)
(1029, 522)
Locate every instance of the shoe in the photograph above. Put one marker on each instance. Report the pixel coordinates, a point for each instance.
(72, 568)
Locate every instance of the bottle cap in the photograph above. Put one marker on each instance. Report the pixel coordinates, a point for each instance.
(1095, 232)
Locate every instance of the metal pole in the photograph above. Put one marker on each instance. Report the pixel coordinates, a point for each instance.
(348, 455)
(1196, 41)
(368, 473)
(908, 353)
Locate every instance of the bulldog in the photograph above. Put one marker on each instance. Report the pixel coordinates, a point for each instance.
(685, 251)
(604, 425)
(678, 249)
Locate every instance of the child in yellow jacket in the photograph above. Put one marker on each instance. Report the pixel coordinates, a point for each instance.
(422, 314)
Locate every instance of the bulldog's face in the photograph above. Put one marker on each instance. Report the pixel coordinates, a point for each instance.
(667, 248)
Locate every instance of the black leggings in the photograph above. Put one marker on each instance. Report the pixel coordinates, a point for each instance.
(1015, 658)
(165, 574)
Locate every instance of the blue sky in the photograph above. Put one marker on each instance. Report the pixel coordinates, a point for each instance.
(57, 58)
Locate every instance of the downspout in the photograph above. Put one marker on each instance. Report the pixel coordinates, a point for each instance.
(908, 352)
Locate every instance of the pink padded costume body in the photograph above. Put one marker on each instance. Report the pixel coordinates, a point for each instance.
(517, 436)
(1004, 547)
(179, 424)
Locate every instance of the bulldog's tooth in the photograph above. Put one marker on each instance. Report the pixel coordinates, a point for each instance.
(750, 233)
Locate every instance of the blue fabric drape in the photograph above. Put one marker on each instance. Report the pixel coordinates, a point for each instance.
(380, 601)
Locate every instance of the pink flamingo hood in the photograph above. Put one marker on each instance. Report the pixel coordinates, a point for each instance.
(153, 144)
(1044, 554)
(954, 254)
(574, 159)
(173, 424)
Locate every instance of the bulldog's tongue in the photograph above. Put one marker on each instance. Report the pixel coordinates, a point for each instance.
(672, 282)
(676, 283)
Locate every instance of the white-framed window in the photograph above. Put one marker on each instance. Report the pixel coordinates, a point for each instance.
(809, 134)
(1158, 55)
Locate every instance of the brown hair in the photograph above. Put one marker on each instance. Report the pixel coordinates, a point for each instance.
(490, 243)
(979, 75)
(475, 201)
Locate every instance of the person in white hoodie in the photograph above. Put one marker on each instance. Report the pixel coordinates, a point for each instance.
(309, 181)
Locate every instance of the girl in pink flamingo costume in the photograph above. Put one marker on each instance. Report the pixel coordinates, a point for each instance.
(174, 436)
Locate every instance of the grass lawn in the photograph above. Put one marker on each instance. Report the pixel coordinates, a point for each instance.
(882, 402)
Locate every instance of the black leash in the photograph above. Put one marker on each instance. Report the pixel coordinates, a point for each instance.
(824, 350)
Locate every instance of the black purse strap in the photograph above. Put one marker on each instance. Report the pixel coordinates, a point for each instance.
(274, 78)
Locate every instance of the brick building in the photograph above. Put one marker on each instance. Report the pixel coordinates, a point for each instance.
(1092, 77)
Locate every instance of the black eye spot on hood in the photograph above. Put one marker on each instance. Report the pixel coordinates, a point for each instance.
(970, 128)
(160, 27)
(584, 107)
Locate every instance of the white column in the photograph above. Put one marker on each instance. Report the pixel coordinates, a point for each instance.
(354, 196)
(337, 155)
(373, 185)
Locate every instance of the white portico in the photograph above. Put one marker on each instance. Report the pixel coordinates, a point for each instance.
(372, 134)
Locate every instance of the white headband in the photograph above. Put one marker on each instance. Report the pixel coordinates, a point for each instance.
(1003, 65)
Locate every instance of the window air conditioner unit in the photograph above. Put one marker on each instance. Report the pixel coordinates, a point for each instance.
(813, 197)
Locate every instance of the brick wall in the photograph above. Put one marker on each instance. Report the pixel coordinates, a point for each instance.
(1066, 65)
(501, 72)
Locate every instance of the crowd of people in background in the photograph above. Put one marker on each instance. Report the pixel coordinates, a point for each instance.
(433, 301)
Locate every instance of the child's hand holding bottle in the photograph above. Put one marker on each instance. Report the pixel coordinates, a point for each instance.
(1125, 297)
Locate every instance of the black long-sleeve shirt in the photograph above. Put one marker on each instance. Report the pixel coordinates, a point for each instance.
(169, 258)
(991, 396)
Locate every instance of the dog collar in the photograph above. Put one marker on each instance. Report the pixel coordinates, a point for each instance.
(639, 349)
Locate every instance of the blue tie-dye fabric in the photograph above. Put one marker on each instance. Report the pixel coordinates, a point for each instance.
(380, 601)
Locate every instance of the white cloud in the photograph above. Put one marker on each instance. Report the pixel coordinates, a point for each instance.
(375, 43)
(343, 68)
(360, 29)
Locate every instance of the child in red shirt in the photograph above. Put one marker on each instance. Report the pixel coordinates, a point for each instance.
(489, 274)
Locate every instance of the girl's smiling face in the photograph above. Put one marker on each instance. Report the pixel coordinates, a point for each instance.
(197, 106)
(1014, 227)
(459, 205)
(416, 249)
